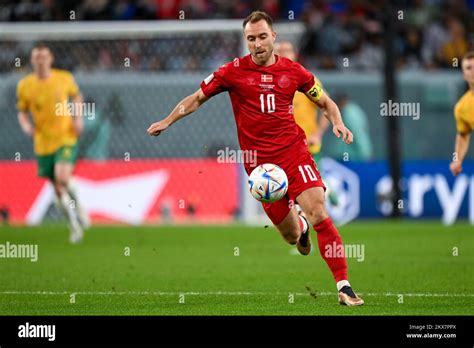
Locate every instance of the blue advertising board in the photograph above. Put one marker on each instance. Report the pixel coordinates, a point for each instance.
(429, 190)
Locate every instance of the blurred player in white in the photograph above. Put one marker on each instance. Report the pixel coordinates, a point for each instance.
(45, 95)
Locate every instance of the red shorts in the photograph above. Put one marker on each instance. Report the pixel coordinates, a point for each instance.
(302, 174)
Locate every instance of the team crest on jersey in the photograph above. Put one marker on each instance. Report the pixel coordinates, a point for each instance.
(266, 78)
(284, 81)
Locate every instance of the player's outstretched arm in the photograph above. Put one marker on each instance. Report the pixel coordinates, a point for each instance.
(25, 123)
(185, 107)
(462, 144)
(331, 111)
(323, 124)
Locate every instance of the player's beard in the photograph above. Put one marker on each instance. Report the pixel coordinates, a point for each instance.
(261, 59)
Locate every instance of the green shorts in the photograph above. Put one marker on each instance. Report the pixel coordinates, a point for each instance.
(67, 153)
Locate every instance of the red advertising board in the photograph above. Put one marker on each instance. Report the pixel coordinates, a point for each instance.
(135, 191)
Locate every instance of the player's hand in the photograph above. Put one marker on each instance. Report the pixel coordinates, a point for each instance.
(29, 130)
(156, 128)
(455, 167)
(340, 129)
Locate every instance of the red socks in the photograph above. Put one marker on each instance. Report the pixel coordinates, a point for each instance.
(332, 249)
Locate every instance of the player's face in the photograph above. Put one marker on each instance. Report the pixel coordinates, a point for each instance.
(285, 49)
(468, 70)
(260, 38)
(41, 58)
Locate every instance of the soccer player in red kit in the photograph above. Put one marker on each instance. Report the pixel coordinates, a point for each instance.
(261, 86)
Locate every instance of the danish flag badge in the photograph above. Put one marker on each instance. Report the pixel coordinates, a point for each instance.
(267, 78)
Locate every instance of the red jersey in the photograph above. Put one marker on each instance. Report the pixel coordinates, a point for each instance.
(262, 101)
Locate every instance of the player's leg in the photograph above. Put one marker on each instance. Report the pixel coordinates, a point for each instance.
(63, 168)
(46, 169)
(62, 173)
(330, 243)
(82, 214)
(289, 228)
(293, 227)
(68, 154)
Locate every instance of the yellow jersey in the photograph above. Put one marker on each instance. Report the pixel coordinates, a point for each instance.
(305, 113)
(464, 113)
(47, 101)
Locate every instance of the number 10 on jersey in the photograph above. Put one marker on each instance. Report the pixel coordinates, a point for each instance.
(312, 176)
(270, 107)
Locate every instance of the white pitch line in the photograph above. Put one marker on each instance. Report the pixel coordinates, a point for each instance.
(219, 293)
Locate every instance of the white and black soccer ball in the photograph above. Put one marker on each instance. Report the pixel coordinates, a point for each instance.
(268, 183)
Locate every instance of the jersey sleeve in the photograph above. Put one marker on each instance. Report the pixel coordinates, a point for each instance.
(462, 126)
(73, 89)
(217, 82)
(22, 100)
(304, 78)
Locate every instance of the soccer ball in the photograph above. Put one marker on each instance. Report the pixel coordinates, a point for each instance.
(268, 183)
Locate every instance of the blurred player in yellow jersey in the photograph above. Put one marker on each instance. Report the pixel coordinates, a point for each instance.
(45, 94)
(464, 115)
(306, 115)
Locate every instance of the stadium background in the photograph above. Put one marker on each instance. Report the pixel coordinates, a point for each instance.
(134, 61)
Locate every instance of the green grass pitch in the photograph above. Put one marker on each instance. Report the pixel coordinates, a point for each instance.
(409, 268)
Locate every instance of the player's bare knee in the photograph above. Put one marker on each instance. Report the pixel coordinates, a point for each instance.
(61, 182)
(317, 214)
(61, 179)
(58, 188)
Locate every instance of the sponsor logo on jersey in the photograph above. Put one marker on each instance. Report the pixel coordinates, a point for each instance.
(266, 87)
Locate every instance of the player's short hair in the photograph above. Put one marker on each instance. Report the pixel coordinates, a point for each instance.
(468, 55)
(41, 45)
(257, 16)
